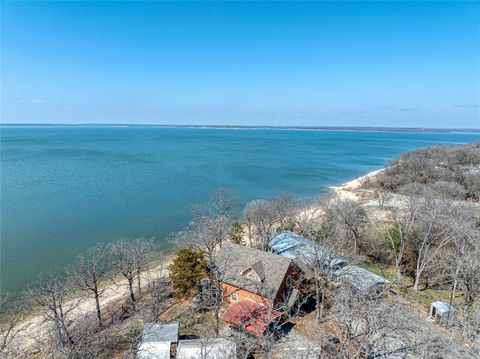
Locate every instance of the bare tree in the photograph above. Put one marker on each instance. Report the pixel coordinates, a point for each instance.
(371, 326)
(266, 217)
(159, 292)
(88, 272)
(461, 263)
(13, 314)
(437, 225)
(143, 252)
(470, 329)
(52, 294)
(308, 215)
(353, 220)
(223, 202)
(123, 259)
(399, 234)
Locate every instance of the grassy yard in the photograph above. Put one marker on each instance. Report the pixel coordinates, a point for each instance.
(424, 297)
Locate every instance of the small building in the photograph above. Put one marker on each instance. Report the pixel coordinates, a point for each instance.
(159, 341)
(360, 279)
(254, 275)
(442, 312)
(305, 252)
(212, 348)
(254, 283)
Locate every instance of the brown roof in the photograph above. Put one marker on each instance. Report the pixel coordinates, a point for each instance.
(234, 259)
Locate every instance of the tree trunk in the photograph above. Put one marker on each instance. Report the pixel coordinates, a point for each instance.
(417, 282)
(217, 319)
(97, 305)
(132, 294)
(317, 300)
(138, 281)
(398, 273)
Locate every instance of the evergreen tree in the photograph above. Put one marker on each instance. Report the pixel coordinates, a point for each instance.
(187, 270)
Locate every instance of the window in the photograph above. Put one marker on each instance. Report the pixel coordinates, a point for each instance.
(289, 281)
(234, 297)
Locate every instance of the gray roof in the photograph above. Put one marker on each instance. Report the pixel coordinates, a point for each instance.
(160, 332)
(302, 250)
(443, 307)
(154, 350)
(359, 278)
(234, 259)
(213, 348)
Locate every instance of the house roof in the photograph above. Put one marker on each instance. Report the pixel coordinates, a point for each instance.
(359, 278)
(212, 348)
(443, 307)
(300, 249)
(153, 350)
(160, 332)
(234, 259)
(250, 316)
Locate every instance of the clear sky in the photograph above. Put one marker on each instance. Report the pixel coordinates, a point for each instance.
(314, 63)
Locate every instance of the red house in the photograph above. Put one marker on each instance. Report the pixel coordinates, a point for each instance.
(256, 284)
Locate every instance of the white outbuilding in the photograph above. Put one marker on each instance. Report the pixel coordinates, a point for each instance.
(212, 348)
(442, 312)
(159, 341)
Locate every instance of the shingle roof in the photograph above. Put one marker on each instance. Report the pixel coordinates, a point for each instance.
(258, 268)
(160, 332)
(234, 259)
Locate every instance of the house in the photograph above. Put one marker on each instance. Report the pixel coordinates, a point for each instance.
(359, 278)
(255, 283)
(254, 275)
(159, 341)
(305, 253)
(442, 312)
(212, 348)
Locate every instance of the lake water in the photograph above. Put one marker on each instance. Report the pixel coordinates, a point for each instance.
(63, 189)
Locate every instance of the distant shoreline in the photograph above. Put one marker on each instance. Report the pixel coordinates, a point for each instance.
(242, 127)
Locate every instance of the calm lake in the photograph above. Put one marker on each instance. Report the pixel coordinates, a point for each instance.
(63, 189)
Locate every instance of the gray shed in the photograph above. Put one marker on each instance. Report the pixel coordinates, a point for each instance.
(359, 278)
(442, 312)
(159, 340)
(213, 348)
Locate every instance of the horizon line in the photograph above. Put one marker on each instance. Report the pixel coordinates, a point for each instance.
(213, 126)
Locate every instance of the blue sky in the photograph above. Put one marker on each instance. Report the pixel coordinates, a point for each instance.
(314, 63)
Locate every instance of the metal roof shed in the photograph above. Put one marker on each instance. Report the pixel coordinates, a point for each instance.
(291, 245)
(154, 350)
(442, 312)
(160, 332)
(285, 241)
(359, 278)
(159, 340)
(213, 348)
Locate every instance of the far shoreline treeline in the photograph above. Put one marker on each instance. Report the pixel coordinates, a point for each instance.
(256, 127)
